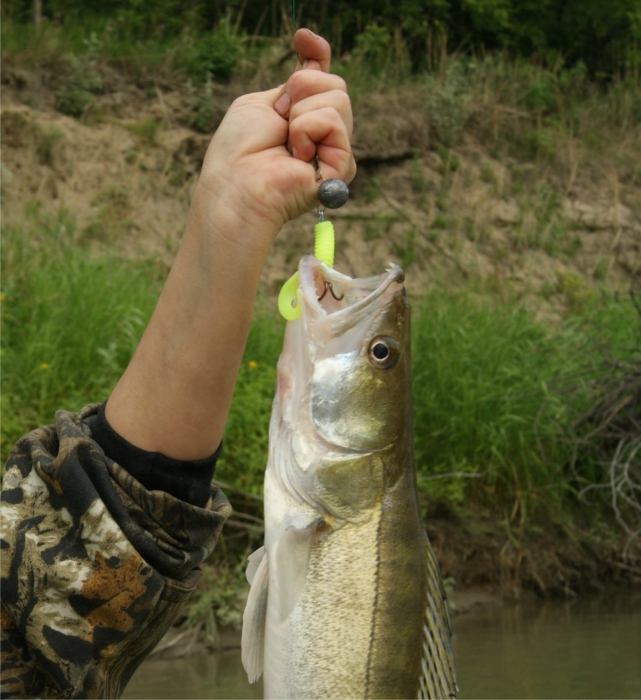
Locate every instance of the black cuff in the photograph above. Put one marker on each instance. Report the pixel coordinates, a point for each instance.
(189, 481)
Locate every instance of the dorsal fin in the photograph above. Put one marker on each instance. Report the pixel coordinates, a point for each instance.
(438, 675)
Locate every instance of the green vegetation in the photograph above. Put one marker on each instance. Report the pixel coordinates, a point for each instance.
(201, 110)
(603, 36)
(482, 371)
(146, 131)
(485, 398)
(491, 401)
(70, 322)
(534, 105)
(81, 80)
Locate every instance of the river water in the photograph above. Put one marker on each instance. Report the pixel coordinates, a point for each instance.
(589, 648)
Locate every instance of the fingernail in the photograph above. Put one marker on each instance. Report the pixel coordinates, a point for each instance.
(282, 104)
(312, 33)
(304, 64)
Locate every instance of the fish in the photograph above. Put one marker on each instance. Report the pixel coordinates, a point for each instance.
(346, 598)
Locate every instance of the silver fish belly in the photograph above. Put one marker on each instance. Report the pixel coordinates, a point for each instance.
(346, 598)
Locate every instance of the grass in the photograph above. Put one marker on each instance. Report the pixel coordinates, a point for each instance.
(482, 371)
(480, 378)
(70, 322)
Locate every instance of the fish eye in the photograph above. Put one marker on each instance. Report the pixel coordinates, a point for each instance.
(384, 352)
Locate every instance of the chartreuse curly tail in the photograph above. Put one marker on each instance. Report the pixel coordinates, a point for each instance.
(324, 243)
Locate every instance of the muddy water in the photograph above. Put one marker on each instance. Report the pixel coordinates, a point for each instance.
(581, 649)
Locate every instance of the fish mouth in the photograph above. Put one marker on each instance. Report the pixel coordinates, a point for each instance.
(325, 292)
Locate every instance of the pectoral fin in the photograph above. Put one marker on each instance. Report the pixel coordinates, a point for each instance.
(253, 636)
(254, 560)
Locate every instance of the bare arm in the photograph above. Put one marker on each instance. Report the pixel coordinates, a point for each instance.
(175, 395)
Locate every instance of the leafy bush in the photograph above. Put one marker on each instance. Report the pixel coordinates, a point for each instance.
(605, 36)
(80, 81)
(372, 50)
(201, 108)
(216, 53)
(448, 102)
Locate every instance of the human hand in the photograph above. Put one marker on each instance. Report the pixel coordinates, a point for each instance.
(258, 165)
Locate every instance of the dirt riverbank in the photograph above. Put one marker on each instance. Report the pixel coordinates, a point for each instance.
(125, 176)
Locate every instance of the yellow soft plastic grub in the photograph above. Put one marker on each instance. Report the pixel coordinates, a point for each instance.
(324, 246)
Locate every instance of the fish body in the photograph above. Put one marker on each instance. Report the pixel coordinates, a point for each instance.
(346, 598)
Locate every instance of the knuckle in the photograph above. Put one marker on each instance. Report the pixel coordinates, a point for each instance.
(344, 101)
(341, 84)
(297, 128)
(332, 115)
(296, 84)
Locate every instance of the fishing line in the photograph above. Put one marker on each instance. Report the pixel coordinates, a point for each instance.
(293, 16)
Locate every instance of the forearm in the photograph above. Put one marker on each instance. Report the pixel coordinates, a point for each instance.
(175, 395)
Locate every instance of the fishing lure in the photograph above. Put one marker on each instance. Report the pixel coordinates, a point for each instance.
(332, 194)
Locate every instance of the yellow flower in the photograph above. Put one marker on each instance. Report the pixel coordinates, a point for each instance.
(1, 297)
(252, 364)
(44, 365)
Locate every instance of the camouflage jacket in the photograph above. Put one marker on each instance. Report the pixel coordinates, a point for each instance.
(95, 567)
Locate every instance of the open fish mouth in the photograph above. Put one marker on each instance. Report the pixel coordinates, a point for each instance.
(326, 292)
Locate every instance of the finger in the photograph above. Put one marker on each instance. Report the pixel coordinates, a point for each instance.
(311, 47)
(303, 84)
(336, 99)
(323, 133)
(309, 64)
(238, 132)
(307, 83)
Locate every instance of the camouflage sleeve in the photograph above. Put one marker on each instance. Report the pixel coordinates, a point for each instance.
(94, 566)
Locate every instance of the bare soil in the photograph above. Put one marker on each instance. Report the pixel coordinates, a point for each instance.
(446, 216)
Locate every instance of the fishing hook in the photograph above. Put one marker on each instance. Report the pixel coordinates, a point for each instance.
(328, 287)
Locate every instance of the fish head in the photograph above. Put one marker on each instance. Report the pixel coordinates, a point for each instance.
(344, 378)
(360, 350)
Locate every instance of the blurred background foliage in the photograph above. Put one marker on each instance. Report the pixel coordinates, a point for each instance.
(530, 421)
(603, 36)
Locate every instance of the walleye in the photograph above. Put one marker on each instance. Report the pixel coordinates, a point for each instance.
(346, 598)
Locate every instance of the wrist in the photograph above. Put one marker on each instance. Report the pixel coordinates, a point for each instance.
(223, 214)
